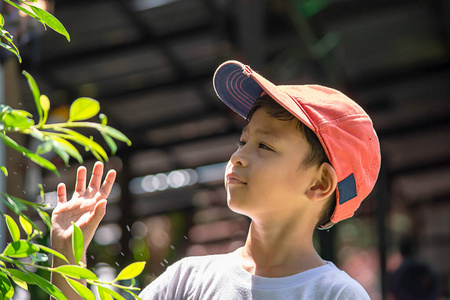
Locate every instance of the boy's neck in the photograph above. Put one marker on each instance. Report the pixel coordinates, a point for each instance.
(279, 251)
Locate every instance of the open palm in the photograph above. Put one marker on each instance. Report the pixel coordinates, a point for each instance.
(86, 208)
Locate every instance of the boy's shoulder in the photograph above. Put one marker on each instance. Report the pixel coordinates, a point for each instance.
(338, 283)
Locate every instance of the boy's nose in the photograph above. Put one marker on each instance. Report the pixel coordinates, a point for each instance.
(239, 157)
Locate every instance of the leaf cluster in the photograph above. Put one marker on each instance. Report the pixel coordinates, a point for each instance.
(35, 12)
(17, 272)
(22, 253)
(57, 137)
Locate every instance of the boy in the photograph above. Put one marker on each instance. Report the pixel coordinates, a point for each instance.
(308, 157)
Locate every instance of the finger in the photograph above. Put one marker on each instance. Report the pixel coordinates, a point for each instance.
(108, 183)
(96, 178)
(80, 185)
(61, 192)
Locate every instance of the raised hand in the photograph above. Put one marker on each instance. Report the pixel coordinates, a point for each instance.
(86, 208)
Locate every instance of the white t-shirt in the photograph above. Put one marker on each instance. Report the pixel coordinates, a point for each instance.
(222, 277)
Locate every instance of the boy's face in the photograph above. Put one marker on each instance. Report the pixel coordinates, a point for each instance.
(265, 176)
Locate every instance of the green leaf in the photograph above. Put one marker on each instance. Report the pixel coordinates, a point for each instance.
(47, 287)
(27, 219)
(77, 243)
(12, 49)
(83, 108)
(32, 156)
(21, 275)
(111, 144)
(53, 252)
(26, 225)
(41, 191)
(104, 295)
(116, 134)
(16, 121)
(13, 228)
(69, 148)
(89, 144)
(12, 207)
(131, 271)
(17, 279)
(60, 151)
(6, 288)
(21, 204)
(81, 289)
(4, 170)
(2, 21)
(45, 217)
(51, 21)
(6, 35)
(44, 148)
(36, 93)
(45, 104)
(76, 272)
(20, 283)
(112, 293)
(21, 113)
(18, 205)
(20, 249)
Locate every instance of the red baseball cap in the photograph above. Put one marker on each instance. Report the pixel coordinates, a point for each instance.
(342, 126)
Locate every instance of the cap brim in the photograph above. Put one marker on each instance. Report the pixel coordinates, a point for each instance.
(238, 86)
(236, 89)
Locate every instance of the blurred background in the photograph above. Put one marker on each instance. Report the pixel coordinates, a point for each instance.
(150, 64)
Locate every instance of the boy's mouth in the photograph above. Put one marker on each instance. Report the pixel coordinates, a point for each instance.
(232, 178)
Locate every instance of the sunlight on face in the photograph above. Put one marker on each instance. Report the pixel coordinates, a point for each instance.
(265, 174)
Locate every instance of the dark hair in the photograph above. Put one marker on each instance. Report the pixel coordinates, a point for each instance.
(316, 155)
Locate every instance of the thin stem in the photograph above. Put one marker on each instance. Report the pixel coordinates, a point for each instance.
(122, 287)
(53, 126)
(71, 124)
(20, 264)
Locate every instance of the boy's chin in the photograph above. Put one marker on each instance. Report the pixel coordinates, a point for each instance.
(236, 207)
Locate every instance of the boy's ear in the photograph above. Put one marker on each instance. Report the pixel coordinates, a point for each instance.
(325, 184)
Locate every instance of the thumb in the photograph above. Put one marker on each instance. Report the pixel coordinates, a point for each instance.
(91, 225)
(99, 212)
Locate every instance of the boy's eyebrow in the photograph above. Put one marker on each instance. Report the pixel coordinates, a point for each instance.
(262, 131)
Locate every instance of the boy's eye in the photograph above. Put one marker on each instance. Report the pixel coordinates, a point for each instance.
(263, 146)
(241, 143)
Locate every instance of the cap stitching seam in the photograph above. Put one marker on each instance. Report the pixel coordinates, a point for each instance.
(340, 120)
(305, 112)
